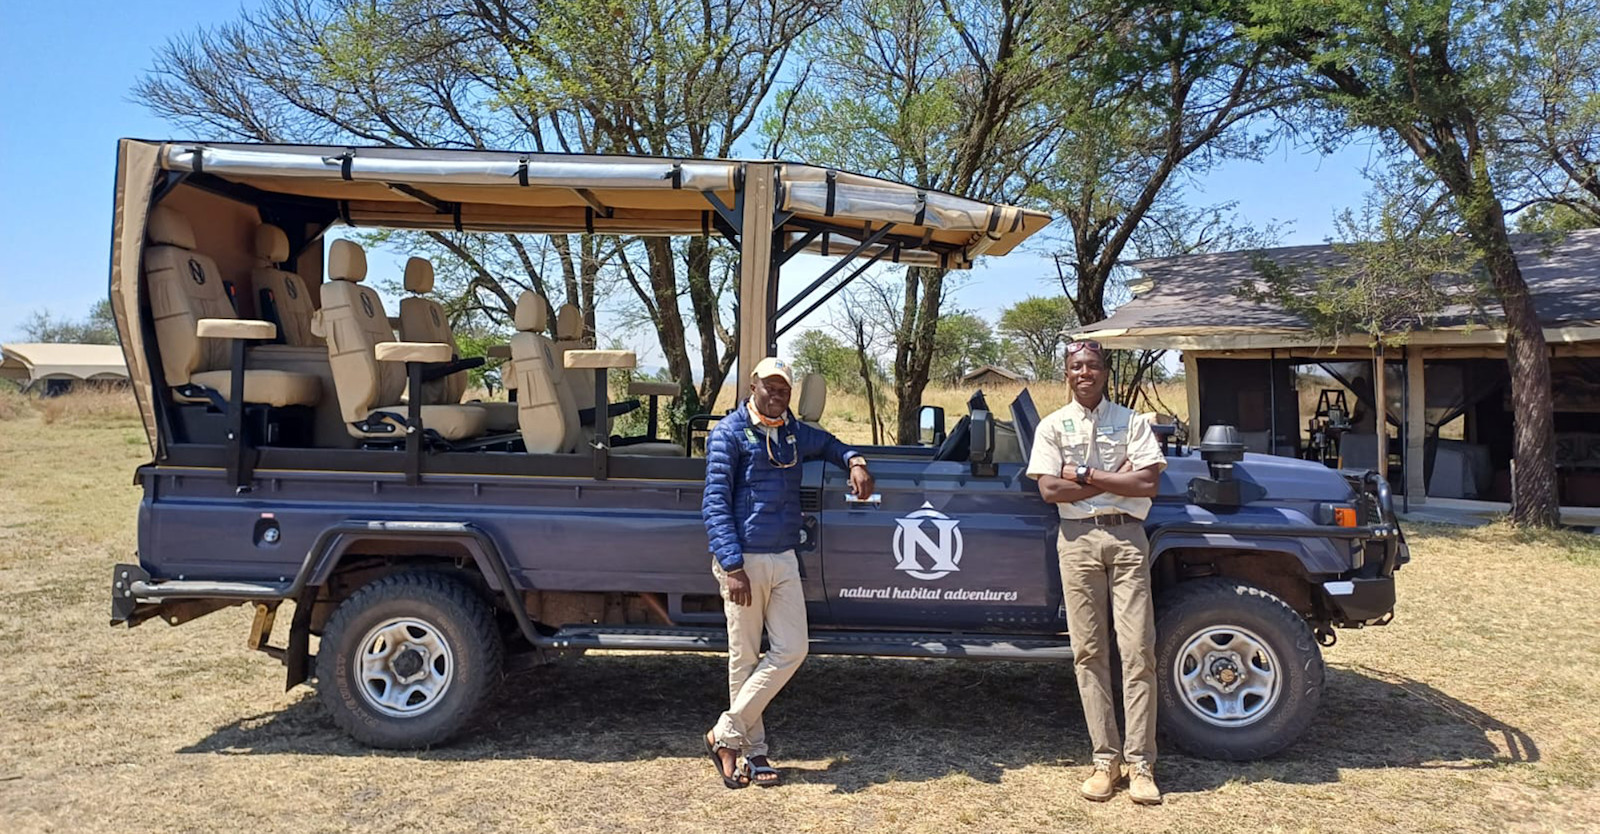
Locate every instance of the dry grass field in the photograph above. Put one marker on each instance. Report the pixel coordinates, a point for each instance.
(1474, 711)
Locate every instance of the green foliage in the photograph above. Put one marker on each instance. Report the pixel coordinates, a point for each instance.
(1036, 328)
(1388, 278)
(475, 340)
(961, 343)
(97, 328)
(817, 352)
(1555, 219)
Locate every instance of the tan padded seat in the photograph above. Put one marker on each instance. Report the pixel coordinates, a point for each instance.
(569, 336)
(452, 422)
(185, 287)
(423, 319)
(264, 386)
(546, 412)
(811, 399)
(353, 322)
(285, 291)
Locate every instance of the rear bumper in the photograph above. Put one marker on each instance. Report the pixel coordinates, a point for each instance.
(1362, 601)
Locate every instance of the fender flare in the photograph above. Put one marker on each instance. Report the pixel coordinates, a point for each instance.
(330, 547)
(1314, 552)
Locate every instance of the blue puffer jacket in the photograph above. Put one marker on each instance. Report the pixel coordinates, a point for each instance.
(750, 504)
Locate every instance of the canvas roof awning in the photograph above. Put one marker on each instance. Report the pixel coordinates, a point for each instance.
(1191, 302)
(570, 193)
(31, 361)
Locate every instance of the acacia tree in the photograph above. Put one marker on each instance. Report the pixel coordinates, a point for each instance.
(1037, 328)
(1552, 126)
(1436, 77)
(659, 77)
(943, 94)
(1169, 94)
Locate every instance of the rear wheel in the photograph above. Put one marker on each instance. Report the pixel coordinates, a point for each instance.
(407, 660)
(1241, 674)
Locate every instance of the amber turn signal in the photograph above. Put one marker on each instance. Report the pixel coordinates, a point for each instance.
(1344, 516)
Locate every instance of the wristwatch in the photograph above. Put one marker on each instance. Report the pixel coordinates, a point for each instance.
(858, 460)
(1081, 475)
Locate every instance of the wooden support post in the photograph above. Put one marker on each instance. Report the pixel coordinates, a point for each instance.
(1416, 427)
(757, 299)
(1191, 386)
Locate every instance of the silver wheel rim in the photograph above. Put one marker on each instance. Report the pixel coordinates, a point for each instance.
(404, 667)
(1227, 676)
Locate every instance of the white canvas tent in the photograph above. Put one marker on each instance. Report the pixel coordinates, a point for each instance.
(32, 362)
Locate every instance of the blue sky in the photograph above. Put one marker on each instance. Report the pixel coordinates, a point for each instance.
(65, 101)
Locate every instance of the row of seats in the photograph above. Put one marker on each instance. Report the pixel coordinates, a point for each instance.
(186, 289)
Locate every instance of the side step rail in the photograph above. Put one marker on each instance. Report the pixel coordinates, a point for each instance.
(132, 586)
(861, 643)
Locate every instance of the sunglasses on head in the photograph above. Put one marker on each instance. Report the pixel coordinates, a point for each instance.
(1086, 344)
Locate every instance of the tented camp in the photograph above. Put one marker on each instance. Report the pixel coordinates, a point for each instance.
(991, 375)
(54, 367)
(1449, 418)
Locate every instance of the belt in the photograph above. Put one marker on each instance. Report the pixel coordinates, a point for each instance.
(1109, 519)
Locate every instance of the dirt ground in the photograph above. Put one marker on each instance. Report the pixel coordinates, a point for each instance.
(1474, 711)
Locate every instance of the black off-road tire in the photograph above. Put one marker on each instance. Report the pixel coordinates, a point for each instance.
(460, 618)
(1192, 608)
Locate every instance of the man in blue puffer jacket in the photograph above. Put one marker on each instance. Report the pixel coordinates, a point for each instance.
(752, 514)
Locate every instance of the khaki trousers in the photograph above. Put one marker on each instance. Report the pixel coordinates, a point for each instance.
(778, 605)
(1105, 578)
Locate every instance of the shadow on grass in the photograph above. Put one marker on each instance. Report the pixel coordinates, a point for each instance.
(875, 721)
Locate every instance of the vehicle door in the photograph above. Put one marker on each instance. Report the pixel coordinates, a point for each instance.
(946, 545)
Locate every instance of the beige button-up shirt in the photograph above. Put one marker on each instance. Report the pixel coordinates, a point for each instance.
(1100, 439)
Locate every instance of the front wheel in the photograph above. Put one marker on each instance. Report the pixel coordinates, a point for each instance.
(1241, 674)
(407, 660)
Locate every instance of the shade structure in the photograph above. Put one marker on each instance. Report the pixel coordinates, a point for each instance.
(771, 210)
(31, 362)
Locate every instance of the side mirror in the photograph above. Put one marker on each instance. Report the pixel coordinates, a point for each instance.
(981, 453)
(930, 425)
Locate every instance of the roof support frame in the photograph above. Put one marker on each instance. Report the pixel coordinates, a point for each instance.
(837, 268)
(594, 202)
(423, 197)
(785, 255)
(876, 256)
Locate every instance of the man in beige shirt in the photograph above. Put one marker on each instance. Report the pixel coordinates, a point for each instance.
(1100, 464)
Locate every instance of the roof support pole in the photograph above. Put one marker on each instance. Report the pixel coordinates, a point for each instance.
(1381, 404)
(758, 279)
(1416, 423)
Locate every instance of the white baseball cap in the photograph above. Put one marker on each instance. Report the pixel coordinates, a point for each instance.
(773, 366)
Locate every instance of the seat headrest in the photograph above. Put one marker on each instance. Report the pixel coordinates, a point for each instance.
(166, 227)
(569, 323)
(272, 245)
(419, 276)
(533, 312)
(813, 398)
(347, 261)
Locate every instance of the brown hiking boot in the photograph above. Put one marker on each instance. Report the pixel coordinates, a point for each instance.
(1142, 786)
(1102, 784)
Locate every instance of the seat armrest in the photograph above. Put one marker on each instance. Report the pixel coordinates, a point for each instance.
(413, 352)
(600, 359)
(235, 329)
(498, 352)
(643, 388)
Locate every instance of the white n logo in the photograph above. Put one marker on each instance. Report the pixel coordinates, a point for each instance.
(911, 538)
